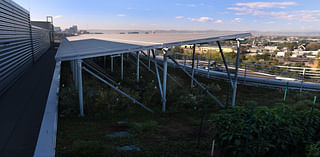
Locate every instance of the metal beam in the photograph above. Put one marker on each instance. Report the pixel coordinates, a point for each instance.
(198, 83)
(95, 68)
(80, 91)
(170, 76)
(234, 94)
(192, 72)
(116, 89)
(157, 72)
(111, 67)
(149, 62)
(138, 66)
(76, 74)
(165, 67)
(105, 62)
(209, 68)
(122, 66)
(225, 64)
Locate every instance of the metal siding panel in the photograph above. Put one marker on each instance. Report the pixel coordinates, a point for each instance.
(15, 42)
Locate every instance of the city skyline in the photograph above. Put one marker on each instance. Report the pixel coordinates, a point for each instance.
(243, 15)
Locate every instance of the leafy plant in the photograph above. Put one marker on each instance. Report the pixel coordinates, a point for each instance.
(142, 127)
(273, 130)
(313, 150)
(86, 148)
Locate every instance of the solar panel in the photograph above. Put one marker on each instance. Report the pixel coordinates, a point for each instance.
(95, 45)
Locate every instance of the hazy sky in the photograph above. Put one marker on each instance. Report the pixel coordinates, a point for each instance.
(295, 15)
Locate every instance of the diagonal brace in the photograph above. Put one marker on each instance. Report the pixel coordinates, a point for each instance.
(198, 83)
(225, 64)
(170, 76)
(116, 89)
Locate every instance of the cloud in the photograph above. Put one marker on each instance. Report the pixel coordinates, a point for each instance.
(201, 19)
(270, 22)
(121, 15)
(179, 17)
(263, 9)
(189, 5)
(259, 5)
(218, 21)
(237, 20)
(58, 16)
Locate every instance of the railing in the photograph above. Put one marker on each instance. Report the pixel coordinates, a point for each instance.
(287, 73)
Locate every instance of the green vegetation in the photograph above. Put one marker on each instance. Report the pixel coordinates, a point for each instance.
(274, 131)
(176, 132)
(313, 47)
(313, 150)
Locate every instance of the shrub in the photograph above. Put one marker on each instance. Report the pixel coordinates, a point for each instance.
(142, 127)
(313, 150)
(273, 130)
(86, 148)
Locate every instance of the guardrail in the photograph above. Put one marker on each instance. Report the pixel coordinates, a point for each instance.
(46, 143)
(247, 75)
(288, 73)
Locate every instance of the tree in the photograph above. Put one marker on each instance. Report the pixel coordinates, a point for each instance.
(313, 47)
(177, 49)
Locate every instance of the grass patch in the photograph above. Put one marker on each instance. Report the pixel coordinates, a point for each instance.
(174, 133)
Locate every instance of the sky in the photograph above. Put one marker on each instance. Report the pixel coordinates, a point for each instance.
(237, 15)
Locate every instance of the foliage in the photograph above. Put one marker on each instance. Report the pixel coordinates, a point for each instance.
(313, 150)
(82, 148)
(177, 49)
(313, 47)
(143, 127)
(273, 131)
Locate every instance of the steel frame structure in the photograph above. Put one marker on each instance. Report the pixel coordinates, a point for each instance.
(77, 67)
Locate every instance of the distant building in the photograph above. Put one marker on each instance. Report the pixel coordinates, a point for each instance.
(209, 48)
(72, 30)
(271, 48)
(281, 54)
(83, 32)
(133, 32)
(57, 29)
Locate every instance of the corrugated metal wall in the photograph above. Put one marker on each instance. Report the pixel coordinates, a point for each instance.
(17, 49)
(41, 41)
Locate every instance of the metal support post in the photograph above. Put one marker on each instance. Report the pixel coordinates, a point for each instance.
(80, 91)
(121, 66)
(184, 62)
(111, 67)
(225, 63)
(209, 68)
(234, 94)
(192, 72)
(105, 62)
(165, 66)
(198, 65)
(138, 67)
(245, 72)
(157, 72)
(76, 74)
(170, 76)
(175, 57)
(302, 80)
(149, 60)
